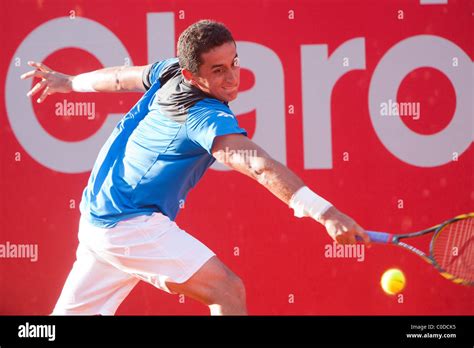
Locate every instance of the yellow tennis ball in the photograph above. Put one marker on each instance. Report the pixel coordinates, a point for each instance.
(393, 281)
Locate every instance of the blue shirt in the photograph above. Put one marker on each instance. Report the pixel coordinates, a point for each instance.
(158, 151)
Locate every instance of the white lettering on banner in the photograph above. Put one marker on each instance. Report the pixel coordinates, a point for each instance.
(160, 31)
(319, 74)
(408, 146)
(267, 96)
(55, 154)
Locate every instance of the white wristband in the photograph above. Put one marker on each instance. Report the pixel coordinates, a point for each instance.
(83, 83)
(307, 203)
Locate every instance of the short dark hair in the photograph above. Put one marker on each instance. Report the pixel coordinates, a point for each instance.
(198, 38)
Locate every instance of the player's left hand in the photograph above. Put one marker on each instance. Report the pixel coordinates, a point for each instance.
(342, 228)
(51, 81)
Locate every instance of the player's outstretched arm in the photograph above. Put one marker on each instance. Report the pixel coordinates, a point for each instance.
(243, 155)
(114, 79)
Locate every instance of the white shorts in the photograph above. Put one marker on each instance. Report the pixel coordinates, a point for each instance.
(111, 261)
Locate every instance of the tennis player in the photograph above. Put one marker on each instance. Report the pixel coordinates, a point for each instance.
(143, 173)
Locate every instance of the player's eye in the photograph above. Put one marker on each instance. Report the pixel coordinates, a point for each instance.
(218, 71)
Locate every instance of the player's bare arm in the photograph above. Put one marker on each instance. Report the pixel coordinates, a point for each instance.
(113, 79)
(243, 155)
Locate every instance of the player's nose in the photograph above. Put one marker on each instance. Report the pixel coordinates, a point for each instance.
(231, 77)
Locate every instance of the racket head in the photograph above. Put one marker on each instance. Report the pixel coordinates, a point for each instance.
(452, 249)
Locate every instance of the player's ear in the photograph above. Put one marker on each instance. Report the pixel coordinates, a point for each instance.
(188, 75)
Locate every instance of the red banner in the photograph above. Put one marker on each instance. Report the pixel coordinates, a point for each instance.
(370, 102)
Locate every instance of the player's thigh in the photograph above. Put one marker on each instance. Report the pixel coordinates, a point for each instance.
(213, 281)
(93, 287)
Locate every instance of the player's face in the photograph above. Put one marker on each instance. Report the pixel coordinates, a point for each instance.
(219, 73)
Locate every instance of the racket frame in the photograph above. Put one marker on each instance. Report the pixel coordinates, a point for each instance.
(395, 239)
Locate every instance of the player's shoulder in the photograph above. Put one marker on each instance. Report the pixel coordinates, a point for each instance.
(170, 64)
(210, 108)
(165, 63)
(164, 69)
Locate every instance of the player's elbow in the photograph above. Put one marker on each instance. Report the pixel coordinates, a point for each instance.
(261, 169)
(259, 165)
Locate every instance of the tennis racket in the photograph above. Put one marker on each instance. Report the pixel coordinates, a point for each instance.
(451, 249)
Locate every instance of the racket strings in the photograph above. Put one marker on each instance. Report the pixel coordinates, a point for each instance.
(453, 248)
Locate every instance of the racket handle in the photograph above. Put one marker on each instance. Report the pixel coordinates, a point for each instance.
(377, 237)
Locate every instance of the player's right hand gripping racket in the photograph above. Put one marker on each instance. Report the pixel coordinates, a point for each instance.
(451, 249)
